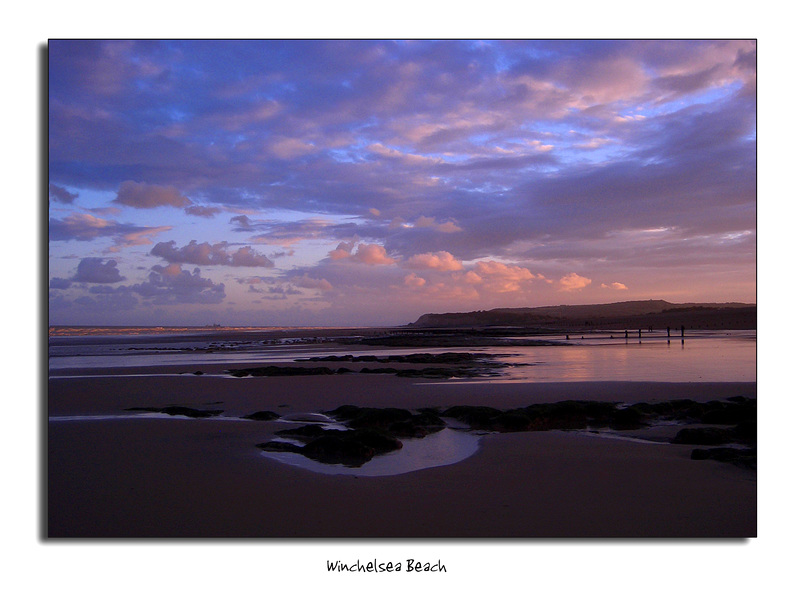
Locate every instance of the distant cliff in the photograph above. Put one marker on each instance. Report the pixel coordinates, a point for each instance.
(644, 314)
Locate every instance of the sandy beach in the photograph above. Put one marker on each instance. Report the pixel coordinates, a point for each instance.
(181, 477)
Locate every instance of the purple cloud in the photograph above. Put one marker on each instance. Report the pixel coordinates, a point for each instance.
(59, 194)
(96, 271)
(210, 254)
(142, 195)
(173, 285)
(85, 227)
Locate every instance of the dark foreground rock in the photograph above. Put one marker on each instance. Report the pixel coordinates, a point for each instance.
(745, 458)
(263, 415)
(704, 436)
(446, 358)
(280, 371)
(395, 421)
(373, 431)
(177, 410)
(351, 448)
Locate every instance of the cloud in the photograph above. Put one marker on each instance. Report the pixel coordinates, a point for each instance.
(142, 195)
(427, 222)
(615, 286)
(85, 227)
(59, 283)
(204, 211)
(372, 254)
(413, 281)
(139, 237)
(287, 148)
(95, 271)
(312, 283)
(500, 277)
(438, 261)
(59, 194)
(367, 254)
(210, 254)
(343, 250)
(285, 233)
(173, 285)
(573, 281)
(82, 227)
(247, 257)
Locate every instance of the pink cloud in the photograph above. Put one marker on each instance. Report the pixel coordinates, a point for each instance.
(368, 254)
(438, 261)
(495, 269)
(413, 281)
(372, 254)
(573, 281)
(312, 283)
(615, 286)
(142, 237)
(343, 250)
(428, 222)
(499, 277)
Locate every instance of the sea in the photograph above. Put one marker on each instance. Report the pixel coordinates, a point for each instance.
(698, 356)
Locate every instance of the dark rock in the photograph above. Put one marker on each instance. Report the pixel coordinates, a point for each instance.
(307, 431)
(344, 412)
(380, 441)
(428, 418)
(564, 416)
(378, 418)
(626, 419)
(742, 399)
(720, 412)
(745, 458)
(280, 371)
(408, 429)
(263, 415)
(177, 410)
(477, 417)
(333, 449)
(746, 431)
(704, 436)
(280, 446)
(512, 421)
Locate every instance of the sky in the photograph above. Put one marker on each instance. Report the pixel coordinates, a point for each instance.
(366, 182)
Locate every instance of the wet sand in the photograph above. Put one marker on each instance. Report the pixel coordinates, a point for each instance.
(179, 477)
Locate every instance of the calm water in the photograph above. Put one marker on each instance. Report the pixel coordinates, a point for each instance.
(704, 356)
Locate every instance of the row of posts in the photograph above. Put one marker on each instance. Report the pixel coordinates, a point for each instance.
(669, 334)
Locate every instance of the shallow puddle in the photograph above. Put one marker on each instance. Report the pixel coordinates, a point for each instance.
(446, 447)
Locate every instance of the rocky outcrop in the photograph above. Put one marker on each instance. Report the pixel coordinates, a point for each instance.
(280, 371)
(745, 458)
(352, 447)
(178, 410)
(373, 431)
(262, 415)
